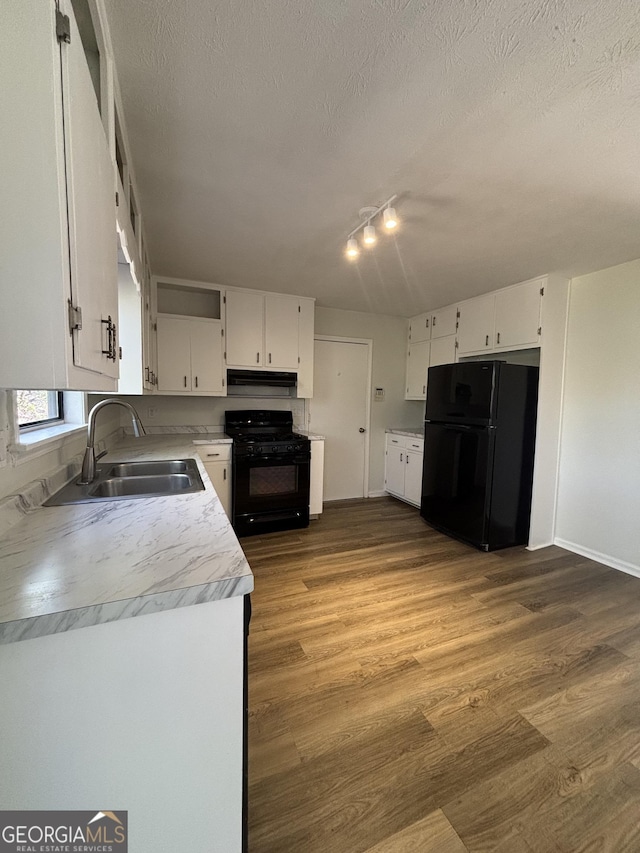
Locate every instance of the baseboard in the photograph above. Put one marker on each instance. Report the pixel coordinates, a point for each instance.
(378, 494)
(539, 547)
(605, 559)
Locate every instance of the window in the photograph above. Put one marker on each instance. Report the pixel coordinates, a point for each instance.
(37, 408)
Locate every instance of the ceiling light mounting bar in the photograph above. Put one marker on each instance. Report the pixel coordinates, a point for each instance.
(371, 214)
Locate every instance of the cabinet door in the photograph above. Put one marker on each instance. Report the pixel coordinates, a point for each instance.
(91, 198)
(443, 321)
(420, 328)
(220, 476)
(306, 348)
(281, 318)
(475, 326)
(206, 356)
(417, 366)
(174, 354)
(413, 477)
(394, 470)
(244, 322)
(518, 315)
(443, 351)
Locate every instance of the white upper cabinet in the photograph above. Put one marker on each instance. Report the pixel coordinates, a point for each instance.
(189, 338)
(506, 319)
(518, 315)
(417, 366)
(444, 322)
(281, 317)
(189, 356)
(245, 328)
(443, 350)
(262, 330)
(58, 239)
(272, 332)
(420, 328)
(475, 325)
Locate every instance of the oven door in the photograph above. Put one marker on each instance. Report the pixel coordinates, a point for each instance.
(270, 492)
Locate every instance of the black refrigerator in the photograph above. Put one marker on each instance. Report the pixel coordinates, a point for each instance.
(479, 439)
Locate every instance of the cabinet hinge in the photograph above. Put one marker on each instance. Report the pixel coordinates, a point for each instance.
(298, 309)
(117, 199)
(120, 353)
(458, 314)
(456, 346)
(75, 317)
(63, 27)
(539, 330)
(224, 299)
(298, 359)
(542, 291)
(222, 332)
(225, 355)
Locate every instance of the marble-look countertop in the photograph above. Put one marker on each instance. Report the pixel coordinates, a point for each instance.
(312, 436)
(412, 433)
(69, 567)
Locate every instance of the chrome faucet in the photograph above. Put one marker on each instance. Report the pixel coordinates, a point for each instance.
(88, 474)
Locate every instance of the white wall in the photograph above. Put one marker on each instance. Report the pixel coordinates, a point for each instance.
(389, 336)
(598, 508)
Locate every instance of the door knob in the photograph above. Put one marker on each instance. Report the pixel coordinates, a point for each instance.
(362, 429)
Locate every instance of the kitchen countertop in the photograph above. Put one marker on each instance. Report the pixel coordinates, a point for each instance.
(412, 433)
(312, 436)
(69, 567)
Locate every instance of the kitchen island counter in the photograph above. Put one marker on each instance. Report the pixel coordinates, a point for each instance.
(69, 567)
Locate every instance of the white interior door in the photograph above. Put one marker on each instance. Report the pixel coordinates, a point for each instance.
(340, 411)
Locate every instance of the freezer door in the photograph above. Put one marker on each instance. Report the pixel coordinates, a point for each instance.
(456, 480)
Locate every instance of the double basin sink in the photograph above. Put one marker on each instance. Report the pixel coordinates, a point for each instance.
(126, 480)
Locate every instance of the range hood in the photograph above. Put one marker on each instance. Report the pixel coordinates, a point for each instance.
(261, 383)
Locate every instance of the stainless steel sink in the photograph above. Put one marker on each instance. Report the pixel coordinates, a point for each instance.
(134, 486)
(143, 469)
(125, 480)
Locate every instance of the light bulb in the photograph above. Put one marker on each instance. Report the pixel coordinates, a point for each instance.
(390, 218)
(352, 248)
(369, 237)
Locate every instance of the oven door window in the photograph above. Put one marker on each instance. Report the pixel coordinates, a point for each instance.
(275, 480)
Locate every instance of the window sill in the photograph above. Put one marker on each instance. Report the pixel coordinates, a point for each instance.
(43, 438)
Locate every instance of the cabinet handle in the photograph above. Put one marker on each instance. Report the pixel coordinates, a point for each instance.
(213, 454)
(196, 381)
(146, 374)
(433, 322)
(185, 381)
(498, 338)
(424, 389)
(426, 323)
(401, 459)
(224, 474)
(486, 343)
(269, 358)
(257, 358)
(407, 458)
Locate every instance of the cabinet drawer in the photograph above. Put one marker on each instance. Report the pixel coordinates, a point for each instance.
(214, 452)
(407, 442)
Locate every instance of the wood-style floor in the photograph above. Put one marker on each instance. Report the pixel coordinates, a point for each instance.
(409, 693)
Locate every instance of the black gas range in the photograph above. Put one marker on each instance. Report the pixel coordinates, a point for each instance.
(270, 472)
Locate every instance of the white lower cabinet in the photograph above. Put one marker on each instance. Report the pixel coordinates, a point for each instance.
(217, 463)
(403, 467)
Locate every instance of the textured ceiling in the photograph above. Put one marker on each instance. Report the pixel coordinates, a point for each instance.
(259, 128)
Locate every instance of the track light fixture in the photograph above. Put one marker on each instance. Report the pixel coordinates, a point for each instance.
(369, 236)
